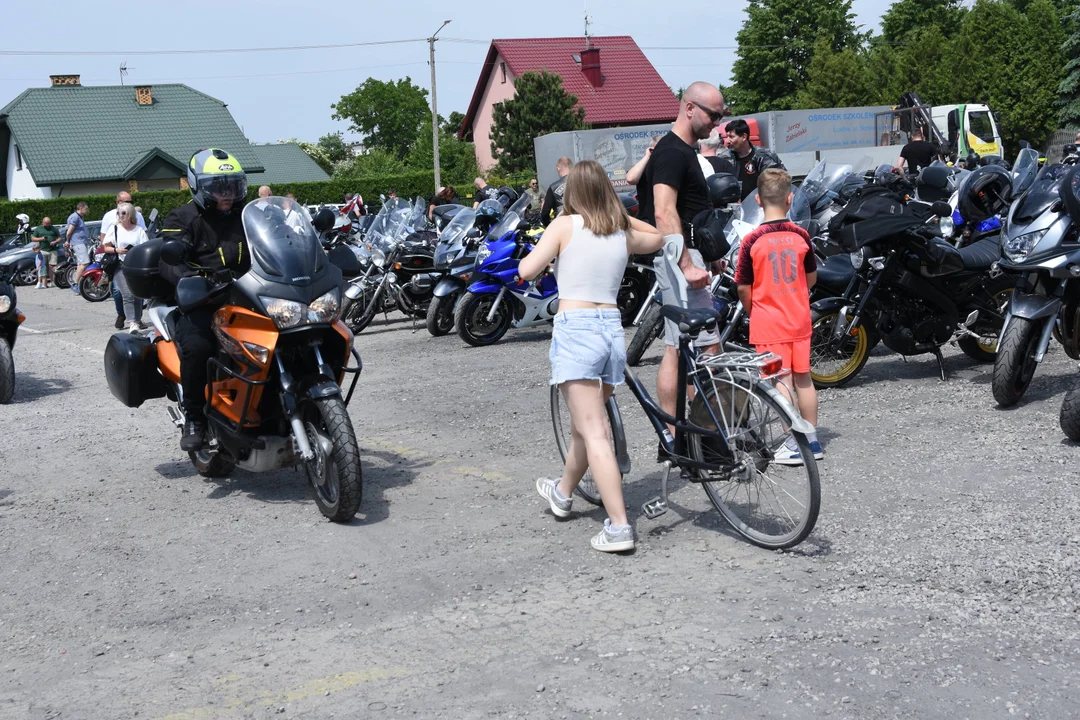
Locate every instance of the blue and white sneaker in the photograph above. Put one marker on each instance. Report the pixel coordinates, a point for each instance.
(787, 456)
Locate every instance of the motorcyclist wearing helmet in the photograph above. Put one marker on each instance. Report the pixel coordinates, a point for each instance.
(212, 233)
(749, 161)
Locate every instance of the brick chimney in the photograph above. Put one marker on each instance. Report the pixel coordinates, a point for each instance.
(65, 80)
(590, 66)
(144, 95)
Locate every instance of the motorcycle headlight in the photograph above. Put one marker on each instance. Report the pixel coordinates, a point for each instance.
(5, 303)
(482, 254)
(858, 258)
(378, 257)
(1017, 248)
(946, 226)
(284, 313)
(324, 308)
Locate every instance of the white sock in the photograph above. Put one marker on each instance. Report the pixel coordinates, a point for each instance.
(811, 437)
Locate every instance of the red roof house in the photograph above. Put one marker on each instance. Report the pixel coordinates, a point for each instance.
(612, 79)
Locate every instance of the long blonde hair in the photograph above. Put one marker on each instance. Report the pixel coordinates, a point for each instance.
(590, 195)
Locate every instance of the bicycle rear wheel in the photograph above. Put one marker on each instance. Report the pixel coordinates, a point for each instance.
(560, 420)
(773, 506)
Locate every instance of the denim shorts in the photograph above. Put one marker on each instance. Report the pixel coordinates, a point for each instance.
(588, 344)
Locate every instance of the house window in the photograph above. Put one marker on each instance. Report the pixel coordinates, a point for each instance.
(502, 66)
(18, 158)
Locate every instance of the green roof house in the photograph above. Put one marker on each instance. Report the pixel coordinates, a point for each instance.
(285, 163)
(73, 140)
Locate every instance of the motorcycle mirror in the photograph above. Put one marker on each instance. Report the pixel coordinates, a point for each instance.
(323, 221)
(172, 252)
(153, 215)
(524, 226)
(191, 292)
(941, 209)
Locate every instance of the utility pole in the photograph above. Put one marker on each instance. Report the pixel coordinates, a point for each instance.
(435, 104)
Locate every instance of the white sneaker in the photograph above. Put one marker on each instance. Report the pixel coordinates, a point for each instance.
(546, 488)
(609, 540)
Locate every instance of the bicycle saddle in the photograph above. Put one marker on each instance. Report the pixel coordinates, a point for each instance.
(690, 321)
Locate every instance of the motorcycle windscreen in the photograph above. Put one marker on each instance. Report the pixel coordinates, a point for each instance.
(452, 241)
(824, 181)
(1024, 170)
(284, 246)
(1044, 192)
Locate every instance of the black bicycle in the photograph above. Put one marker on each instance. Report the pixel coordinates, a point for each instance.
(737, 421)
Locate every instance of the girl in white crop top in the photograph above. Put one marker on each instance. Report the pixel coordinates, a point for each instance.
(590, 241)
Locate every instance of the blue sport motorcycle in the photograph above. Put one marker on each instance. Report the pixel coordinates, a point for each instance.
(497, 299)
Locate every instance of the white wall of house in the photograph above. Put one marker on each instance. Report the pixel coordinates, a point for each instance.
(20, 184)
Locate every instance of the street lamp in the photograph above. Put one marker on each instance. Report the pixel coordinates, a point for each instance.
(435, 105)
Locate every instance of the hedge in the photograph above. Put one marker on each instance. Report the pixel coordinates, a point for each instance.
(407, 185)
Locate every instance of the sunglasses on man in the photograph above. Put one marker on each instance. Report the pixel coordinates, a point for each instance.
(714, 115)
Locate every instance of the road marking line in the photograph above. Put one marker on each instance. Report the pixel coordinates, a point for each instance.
(267, 698)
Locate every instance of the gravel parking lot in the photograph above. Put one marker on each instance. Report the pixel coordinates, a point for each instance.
(941, 580)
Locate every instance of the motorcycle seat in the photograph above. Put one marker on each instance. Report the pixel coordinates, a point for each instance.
(690, 321)
(836, 272)
(982, 254)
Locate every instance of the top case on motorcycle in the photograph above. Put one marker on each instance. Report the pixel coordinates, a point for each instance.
(142, 270)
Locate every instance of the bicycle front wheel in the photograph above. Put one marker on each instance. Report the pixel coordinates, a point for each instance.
(773, 506)
(560, 420)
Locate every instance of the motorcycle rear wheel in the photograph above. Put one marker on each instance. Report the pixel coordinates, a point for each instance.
(633, 291)
(62, 278)
(211, 465)
(7, 372)
(651, 328)
(335, 474)
(470, 318)
(1070, 415)
(95, 291)
(850, 352)
(440, 314)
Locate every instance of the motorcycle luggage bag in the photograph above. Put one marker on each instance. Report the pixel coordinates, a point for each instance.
(142, 270)
(131, 369)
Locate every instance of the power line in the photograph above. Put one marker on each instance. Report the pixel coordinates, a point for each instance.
(213, 51)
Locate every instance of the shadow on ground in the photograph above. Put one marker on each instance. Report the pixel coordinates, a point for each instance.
(382, 469)
(30, 387)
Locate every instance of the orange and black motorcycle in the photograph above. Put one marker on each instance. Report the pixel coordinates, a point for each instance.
(274, 397)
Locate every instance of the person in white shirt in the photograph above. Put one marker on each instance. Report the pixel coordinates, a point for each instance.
(124, 235)
(110, 217)
(292, 216)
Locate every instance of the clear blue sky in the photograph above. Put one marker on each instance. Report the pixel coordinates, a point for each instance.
(278, 95)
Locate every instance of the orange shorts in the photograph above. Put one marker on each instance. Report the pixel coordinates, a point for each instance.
(795, 355)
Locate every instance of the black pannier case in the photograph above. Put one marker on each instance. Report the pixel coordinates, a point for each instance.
(131, 369)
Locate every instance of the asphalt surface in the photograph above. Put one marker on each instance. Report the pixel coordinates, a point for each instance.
(941, 580)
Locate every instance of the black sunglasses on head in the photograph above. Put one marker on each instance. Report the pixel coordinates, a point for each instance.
(714, 115)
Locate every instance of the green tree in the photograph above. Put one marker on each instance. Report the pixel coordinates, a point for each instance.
(372, 162)
(905, 16)
(457, 158)
(452, 124)
(1069, 88)
(540, 105)
(389, 114)
(776, 45)
(915, 66)
(333, 144)
(834, 79)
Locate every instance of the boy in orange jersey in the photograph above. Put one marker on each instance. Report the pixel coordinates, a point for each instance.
(775, 272)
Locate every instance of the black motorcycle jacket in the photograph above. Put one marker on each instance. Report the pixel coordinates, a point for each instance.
(212, 242)
(749, 167)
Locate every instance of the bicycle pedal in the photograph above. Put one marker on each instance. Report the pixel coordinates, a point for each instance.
(654, 508)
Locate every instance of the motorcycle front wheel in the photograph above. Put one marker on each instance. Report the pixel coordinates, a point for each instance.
(359, 313)
(62, 278)
(337, 480)
(835, 361)
(1015, 364)
(440, 314)
(470, 318)
(95, 291)
(7, 372)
